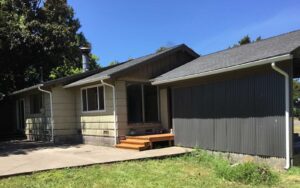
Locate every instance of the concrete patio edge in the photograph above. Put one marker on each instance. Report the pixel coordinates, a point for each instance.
(125, 155)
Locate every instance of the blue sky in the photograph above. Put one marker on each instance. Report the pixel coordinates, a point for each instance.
(120, 29)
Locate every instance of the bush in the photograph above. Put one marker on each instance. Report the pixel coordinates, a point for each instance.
(247, 173)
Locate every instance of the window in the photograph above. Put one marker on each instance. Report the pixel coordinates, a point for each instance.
(142, 101)
(151, 104)
(134, 102)
(92, 99)
(36, 103)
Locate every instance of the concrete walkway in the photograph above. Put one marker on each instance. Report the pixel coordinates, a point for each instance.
(25, 157)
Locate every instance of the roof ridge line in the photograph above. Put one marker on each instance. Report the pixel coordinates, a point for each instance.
(251, 43)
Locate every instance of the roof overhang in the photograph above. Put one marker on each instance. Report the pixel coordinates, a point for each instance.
(86, 82)
(26, 89)
(227, 69)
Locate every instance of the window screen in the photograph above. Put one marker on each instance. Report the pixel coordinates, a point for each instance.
(36, 103)
(151, 103)
(142, 103)
(92, 99)
(101, 98)
(134, 103)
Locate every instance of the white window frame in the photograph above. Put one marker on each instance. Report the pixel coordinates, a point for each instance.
(98, 101)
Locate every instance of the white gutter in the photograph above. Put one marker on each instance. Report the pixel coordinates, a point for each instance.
(114, 106)
(287, 115)
(51, 111)
(227, 69)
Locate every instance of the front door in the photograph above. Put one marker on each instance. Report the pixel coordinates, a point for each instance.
(20, 115)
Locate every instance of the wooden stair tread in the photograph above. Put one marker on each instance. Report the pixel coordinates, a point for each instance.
(135, 141)
(131, 146)
(145, 141)
(156, 137)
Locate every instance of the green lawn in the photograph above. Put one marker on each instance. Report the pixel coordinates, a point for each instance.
(193, 170)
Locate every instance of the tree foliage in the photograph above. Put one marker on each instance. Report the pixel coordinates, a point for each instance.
(115, 62)
(38, 34)
(160, 49)
(246, 40)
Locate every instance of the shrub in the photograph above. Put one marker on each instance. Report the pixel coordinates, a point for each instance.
(247, 173)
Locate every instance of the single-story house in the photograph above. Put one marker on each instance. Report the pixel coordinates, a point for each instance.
(99, 107)
(237, 100)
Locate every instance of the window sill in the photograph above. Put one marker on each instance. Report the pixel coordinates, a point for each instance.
(144, 124)
(93, 112)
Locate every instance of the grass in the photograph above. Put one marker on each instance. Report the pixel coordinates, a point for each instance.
(197, 169)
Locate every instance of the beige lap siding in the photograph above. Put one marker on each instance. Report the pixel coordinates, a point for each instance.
(121, 107)
(66, 128)
(96, 127)
(38, 126)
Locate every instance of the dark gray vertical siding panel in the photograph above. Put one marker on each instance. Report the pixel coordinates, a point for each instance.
(201, 111)
(177, 124)
(181, 112)
(279, 121)
(207, 123)
(196, 108)
(248, 130)
(219, 120)
(243, 115)
(262, 133)
(233, 122)
(189, 135)
(269, 99)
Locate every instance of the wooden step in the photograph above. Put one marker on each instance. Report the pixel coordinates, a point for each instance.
(135, 141)
(137, 138)
(139, 147)
(153, 138)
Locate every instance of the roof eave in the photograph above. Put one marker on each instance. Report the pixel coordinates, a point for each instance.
(227, 69)
(26, 89)
(87, 82)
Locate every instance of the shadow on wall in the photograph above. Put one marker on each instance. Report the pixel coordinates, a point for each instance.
(40, 131)
(259, 96)
(8, 123)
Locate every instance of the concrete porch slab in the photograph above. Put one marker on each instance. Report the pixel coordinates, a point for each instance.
(20, 158)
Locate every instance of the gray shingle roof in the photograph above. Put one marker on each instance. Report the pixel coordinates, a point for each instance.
(63, 80)
(127, 65)
(267, 48)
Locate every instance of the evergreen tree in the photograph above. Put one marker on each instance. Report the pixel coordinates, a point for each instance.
(38, 34)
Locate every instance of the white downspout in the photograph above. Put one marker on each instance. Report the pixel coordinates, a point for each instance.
(287, 115)
(114, 106)
(51, 111)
